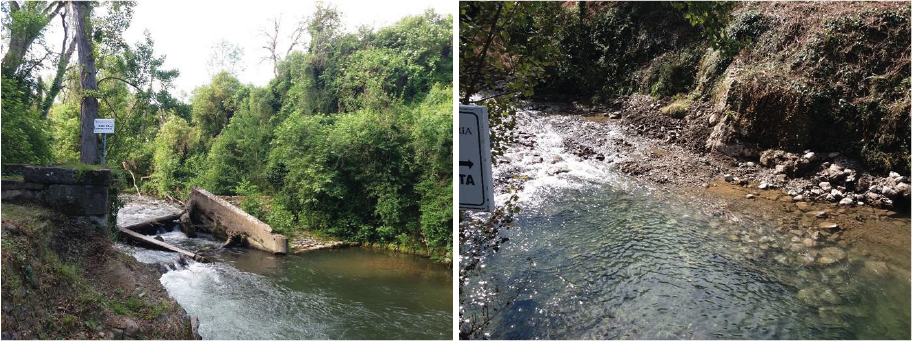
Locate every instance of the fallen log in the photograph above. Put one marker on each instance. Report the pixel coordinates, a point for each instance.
(151, 226)
(153, 243)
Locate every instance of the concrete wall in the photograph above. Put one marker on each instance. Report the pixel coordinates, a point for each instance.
(71, 192)
(225, 219)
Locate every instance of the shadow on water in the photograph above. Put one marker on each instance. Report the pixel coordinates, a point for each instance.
(351, 293)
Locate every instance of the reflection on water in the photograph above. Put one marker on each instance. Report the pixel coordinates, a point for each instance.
(336, 294)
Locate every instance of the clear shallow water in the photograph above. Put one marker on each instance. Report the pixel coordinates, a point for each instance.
(351, 293)
(598, 256)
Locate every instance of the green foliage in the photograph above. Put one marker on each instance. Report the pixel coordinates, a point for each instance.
(25, 136)
(64, 120)
(178, 155)
(712, 17)
(671, 73)
(505, 48)
(621, 48)
(240, 152)
(368, 176)
(213, 105)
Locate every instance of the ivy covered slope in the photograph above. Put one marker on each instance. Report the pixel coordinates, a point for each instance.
(793, 76)
(351, 139)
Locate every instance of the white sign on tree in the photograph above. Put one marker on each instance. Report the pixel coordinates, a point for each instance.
(104, 126)
(476, 187)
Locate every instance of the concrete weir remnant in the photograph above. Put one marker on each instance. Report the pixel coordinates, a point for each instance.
(74, 192)
(225, 220)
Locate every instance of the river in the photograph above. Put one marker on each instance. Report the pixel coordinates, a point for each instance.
(600, 255)
(348, 293)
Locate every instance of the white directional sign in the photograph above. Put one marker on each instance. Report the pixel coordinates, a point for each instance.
(476, 188)
(104, 126)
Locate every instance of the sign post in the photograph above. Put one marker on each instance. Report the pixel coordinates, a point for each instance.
(104, 127)
(476, 186)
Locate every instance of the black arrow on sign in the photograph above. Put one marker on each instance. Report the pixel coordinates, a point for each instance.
(467, 163)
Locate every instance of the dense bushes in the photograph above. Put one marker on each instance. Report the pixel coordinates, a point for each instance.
(25, 136)
(352, 139)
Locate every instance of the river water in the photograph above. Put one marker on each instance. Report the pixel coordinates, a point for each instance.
(349, 293)
(598, 255)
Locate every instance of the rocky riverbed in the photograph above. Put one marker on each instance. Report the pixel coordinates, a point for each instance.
(636, 138)
(633, 137)
(833, 257)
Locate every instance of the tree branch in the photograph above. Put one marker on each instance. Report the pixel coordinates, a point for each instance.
(120, 79)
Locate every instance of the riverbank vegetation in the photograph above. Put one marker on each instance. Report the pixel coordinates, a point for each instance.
(352, 138)
(791, 76)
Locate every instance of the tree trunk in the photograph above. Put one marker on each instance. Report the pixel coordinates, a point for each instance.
(88, 146)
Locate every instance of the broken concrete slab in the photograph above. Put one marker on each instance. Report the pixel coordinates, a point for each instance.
(224, 220)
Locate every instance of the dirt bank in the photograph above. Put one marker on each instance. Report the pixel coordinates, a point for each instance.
(63, 279)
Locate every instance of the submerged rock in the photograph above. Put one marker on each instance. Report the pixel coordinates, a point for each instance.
(830, 255)
(828, 226)
(876, 267)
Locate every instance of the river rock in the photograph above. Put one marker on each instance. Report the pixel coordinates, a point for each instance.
(828, 226)
(822, 214)
(809, 296)
(832, 254)
(808, 242)
(781, 259)
(846, 202)
(117, 334)
(816, 235)
(829, 296)
(798, 198)
(130, 327)
(803, 206)
(728, 177)
(781, 169)
(903, 189)
(558, 170)
(825, 186)
(556, 159)
(889, 192)
(886, 202)
(763, 185)
(876, 267)
(750, 196)
(833, 155)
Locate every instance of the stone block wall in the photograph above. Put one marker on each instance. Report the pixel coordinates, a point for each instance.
(71, 192)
